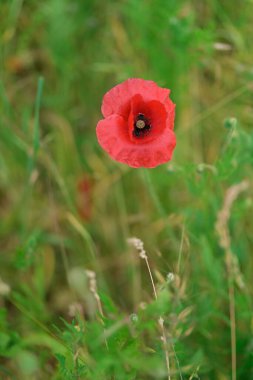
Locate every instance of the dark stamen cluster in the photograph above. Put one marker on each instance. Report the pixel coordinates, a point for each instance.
(141, 126)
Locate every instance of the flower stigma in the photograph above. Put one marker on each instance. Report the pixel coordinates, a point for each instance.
(141, 126)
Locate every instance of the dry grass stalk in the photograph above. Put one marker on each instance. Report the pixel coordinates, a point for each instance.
(93, 289)
(225, 242)
(138, 244)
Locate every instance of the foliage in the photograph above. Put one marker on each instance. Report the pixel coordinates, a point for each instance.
(58, 58)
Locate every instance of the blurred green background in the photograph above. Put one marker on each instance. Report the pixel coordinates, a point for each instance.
(66, 207)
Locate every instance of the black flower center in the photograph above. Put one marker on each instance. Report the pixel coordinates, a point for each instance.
(141, 126)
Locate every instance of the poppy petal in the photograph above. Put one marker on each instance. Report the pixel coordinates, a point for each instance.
(117, 100)
(155, 113)
(113, 137)
(138, 125)
(150, 155)
(112, 133)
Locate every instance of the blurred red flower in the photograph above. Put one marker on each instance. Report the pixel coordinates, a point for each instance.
(84, 198)
(138, 125)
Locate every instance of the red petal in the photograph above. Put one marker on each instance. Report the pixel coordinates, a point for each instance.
(154, 111)
(117, 100)
(112, 135)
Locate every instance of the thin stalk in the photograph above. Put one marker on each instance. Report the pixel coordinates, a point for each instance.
(222, 230)
(160, 321)
(138, 244)
(36, 129)
(231, 294)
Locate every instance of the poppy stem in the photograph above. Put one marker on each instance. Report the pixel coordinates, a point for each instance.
(155, 198)
(163, 214)
(153, 193)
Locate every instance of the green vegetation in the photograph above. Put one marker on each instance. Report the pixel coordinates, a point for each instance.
(76, 297)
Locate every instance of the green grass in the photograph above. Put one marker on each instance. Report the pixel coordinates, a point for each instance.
(57, 59)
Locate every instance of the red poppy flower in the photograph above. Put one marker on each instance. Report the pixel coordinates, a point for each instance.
(138, 125)
(84, 198)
